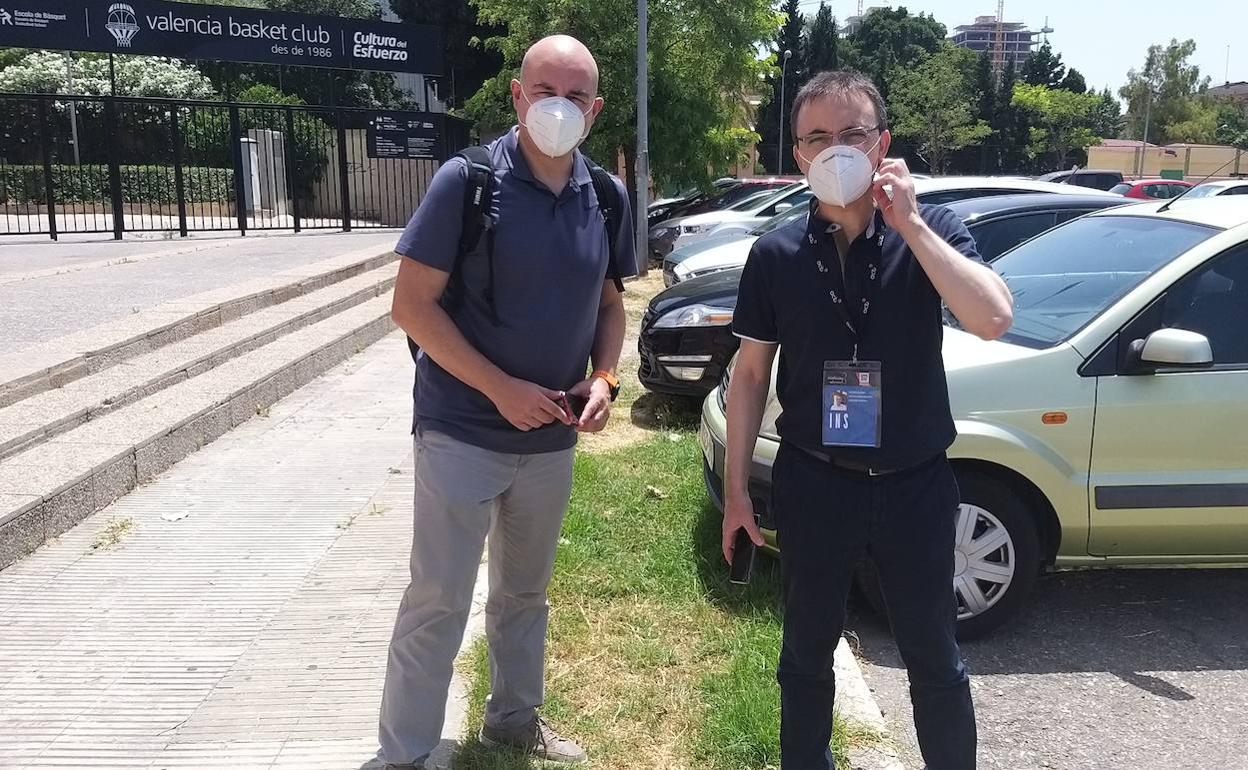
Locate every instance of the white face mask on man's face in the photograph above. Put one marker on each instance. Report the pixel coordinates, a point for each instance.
(840, 174)
(555, 124)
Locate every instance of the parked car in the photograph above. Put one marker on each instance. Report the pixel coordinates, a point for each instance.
(669, 235)
(718, 198)
(1223, 187)
(686, 340)
(1109, 426)
(661, 209)
(1097, 179)
(1145, 189)
(681, 265)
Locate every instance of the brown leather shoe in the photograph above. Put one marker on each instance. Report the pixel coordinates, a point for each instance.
(538, 739)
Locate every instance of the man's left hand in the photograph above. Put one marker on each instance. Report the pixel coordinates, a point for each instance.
(901, 211)
(598, 409)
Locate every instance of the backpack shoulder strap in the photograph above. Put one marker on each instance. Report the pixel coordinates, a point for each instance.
(611, 204)
(476, 220)
(477, 197)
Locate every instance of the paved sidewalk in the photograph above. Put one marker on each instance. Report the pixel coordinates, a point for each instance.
(234, 613)
(49, 290)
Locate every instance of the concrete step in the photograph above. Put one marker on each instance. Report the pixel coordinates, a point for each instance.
(45, 415)
(43, 367)
(49, 487)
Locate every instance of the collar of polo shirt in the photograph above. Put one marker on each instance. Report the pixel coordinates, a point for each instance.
(517, 165)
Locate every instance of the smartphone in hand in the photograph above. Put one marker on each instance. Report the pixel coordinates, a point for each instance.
(744, 554)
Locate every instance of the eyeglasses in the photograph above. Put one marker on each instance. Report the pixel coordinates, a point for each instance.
(818, 141)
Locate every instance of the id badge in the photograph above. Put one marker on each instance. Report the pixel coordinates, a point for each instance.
(852, 403)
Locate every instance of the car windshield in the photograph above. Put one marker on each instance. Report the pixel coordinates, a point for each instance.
(781, 219)
(754, 200)
(1063, 279)
(1121, 189)
(1202, 191)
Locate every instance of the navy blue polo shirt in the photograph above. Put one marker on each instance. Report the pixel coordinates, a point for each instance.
(550, 263)
(784, 299)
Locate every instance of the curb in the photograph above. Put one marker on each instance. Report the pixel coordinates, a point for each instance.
(855, 703)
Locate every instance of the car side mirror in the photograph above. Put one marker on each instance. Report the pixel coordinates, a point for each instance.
(1169, 349)
(780, 208)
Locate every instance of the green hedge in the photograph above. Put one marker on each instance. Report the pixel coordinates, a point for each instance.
(139, 184)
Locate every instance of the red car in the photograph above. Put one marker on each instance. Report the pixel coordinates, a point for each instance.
(1146, 189)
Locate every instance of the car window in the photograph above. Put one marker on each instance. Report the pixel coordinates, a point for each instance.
(753, 201)
(1242, 190)
(1150, 190)
(797, 199)
(941, 197)
(1213, 301)
(994, 238)
(1121, 189)
(1105, 181)
(1174, 190)
(781, 219)
(1065, 215)
(1068, 276)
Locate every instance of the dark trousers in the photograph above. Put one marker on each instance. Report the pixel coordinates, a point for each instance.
(827, 519)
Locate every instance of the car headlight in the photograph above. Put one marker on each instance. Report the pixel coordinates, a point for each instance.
(695, 315)
(661, 233)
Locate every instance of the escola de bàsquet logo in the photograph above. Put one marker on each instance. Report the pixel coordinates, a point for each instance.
(122, 24)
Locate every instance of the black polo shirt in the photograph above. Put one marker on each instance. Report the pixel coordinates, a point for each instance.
(784, 298)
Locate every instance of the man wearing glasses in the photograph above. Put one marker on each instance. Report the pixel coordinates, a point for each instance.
(851, 300)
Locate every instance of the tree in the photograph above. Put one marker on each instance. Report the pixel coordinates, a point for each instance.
(468, 62)
(821, 48)
(47, 72)
(1074, 82)
(789, 38)
(986, 86)
(1044, 68)
(1169, 92)
(704, 68)
(933, 106)
(1107, 121)
(1012, 126)
(1232, 124)
(1062, 120)
(892, 40)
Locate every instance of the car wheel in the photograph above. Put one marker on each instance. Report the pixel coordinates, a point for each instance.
(996, 556)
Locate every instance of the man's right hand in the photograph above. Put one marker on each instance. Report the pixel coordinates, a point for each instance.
(528, 406)
(739, 514)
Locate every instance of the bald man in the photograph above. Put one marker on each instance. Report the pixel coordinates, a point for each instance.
(501, 394)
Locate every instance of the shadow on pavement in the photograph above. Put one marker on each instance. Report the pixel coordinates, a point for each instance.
(1124, 623)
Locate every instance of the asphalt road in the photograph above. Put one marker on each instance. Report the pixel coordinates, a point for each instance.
(1138, 670)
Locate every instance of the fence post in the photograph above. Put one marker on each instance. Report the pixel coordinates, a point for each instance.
(179, 183)
(114, 167)
(236, 138)
(344, 184)
(45, 144)
(289, 144)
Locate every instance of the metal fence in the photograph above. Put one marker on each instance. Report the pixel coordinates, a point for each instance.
(88, 164)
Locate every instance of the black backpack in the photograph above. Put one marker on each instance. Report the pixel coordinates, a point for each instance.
(478, 223)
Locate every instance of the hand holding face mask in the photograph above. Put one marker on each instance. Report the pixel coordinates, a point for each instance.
(555, 124)
(893, 190)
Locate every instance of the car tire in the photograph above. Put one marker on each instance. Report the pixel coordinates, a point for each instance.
(999, 511)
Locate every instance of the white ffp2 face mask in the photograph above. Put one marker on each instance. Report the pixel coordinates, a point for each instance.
(840, 174)
(555, 124)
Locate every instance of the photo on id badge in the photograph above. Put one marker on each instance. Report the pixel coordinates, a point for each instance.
(851, 403)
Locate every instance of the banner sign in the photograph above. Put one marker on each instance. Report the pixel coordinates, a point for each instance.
(221, 33)
(404, 135)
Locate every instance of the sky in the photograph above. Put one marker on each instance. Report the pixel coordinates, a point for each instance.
(1105, 38)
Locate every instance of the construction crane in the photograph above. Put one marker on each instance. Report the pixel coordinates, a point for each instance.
(860, 9)
(998, 52)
